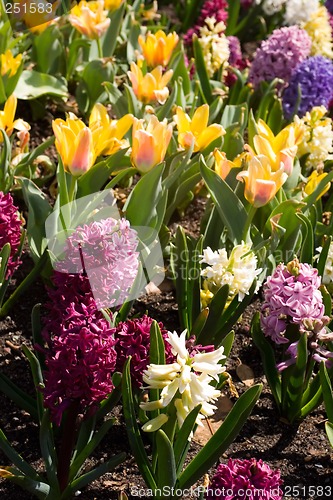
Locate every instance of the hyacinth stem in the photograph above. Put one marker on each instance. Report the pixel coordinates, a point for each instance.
(26, 283)
(246, 231)
(67, 445)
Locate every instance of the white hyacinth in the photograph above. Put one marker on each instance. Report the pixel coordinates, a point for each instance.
(271, 7)
(214, 44)
(238, 271)
(299, 11)
(188, 380)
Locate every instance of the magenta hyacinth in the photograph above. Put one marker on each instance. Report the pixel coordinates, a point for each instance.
(107, 252)
(10, 230)
(291, 297)
(210, 8)
(133, 339)
(254, 477)
(279, 55)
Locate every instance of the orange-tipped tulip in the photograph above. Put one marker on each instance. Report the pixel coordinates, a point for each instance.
(107, 133)
(151, 86)
(196, 130)
(261, 184)
(149, 144)
(313, 181)
(74, 143)
(7, 118)
(90, 18)
(9, 64)
(222, 164)
(157, 48)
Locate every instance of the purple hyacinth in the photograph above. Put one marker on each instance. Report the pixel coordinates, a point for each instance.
(256, 478)
(314, 80)
(291, 297)
(80, 357)
(133, 339)
(329, 6)
(211, 8)
(280, 54)
(10, 230)
(106, 252)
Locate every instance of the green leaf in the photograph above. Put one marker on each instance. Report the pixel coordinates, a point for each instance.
(49, 51)
(220, 441)
(110, 39)
(216, 308)
(37, 378)
(179, 263)
(166, 469)
(311, 199)
(16, 459)
(6, 178)
(33, 84)
(183, 442)
(329, 432)
(308, 239)
(233, 15)
(132, 41)
(327, 391)
(268, 358)
(36, 487)
(312, 396)
(227, 343)
(21, 398)
(48, 451)
(156, 349)
(133, 431)
(201, 70)
(229, 206)
(323, 256)
(4, 256)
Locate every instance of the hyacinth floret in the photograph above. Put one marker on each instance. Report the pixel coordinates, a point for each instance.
(271, 7)
(313, 79)
(299, 11)
(10, 230)
(106, 251)
(216, 9)
(329, 6)
(133, 339)
(319, 30)
(280, 54)
(252, 476)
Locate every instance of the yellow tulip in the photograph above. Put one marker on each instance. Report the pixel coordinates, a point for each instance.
(9, 64)
(90, 18)
(38, 21)
(107, 133)
(222, 164)
(74, 143)
(157, 48)
(196, 130)
(7, 118)
(112, 5)
(313, 181)
(149, 144)
(151, 86)
(280, 149)
(261, 183)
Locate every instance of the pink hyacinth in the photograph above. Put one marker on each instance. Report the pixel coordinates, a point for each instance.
(254, 477)
(10, 230)
(210, 8)
(106, 251)
(133, 339)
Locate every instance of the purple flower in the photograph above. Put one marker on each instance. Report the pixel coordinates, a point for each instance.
(280, 54)
(80, 357)
(133, 339)
(256, 478)
(10, 230)
(291, 297)
(314, 80)
(329, 6)
(106, 252)
(211, 8)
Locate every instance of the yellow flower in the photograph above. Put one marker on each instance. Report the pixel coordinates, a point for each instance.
(196, 130)
(74, 143)
(149, 144)
(9, 64)
(261, 183)
(38, 21)
(280, 148)
(112, 5)
(7, 118)
(108, 134)
(222, 164)
(157, 48)
(90, 18)
(151, 86)
(313, 182)
(150, 14)
(319, 30)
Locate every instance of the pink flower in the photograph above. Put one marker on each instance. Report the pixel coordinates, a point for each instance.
(10, 230)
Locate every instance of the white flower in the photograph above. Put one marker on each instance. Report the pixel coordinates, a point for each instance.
(214, 44)
(189, 379)
(238, 271)
(319, 30)
(271, 7)
(328, 271)
(298, 11)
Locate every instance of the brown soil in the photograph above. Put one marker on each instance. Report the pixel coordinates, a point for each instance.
(302, 453)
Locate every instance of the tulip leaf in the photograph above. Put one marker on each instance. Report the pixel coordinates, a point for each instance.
(49, 51)
(111, 36)
(229, 206)
(166, 465)
(33, 84)
(201, 70)
(327, 391)
(267, 358)
(222, 438)
(307, 240)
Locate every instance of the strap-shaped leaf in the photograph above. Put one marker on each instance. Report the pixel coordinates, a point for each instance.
(35, 487)
(205, 86)
(308, 239)
(329, 432)
(327, 391)
(110, 39)
(323, 255)
(179, 263)
(229, 206)
(183, 442)
(213, 322)
(312, 396)
(37, 378)
(16, 459)
(220, 441)
(268, 358)
(21, 398)
(48, 451)
(166, 465)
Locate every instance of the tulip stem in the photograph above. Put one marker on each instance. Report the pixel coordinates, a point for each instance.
(72, 188)
(247, 227)
(99, 48)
